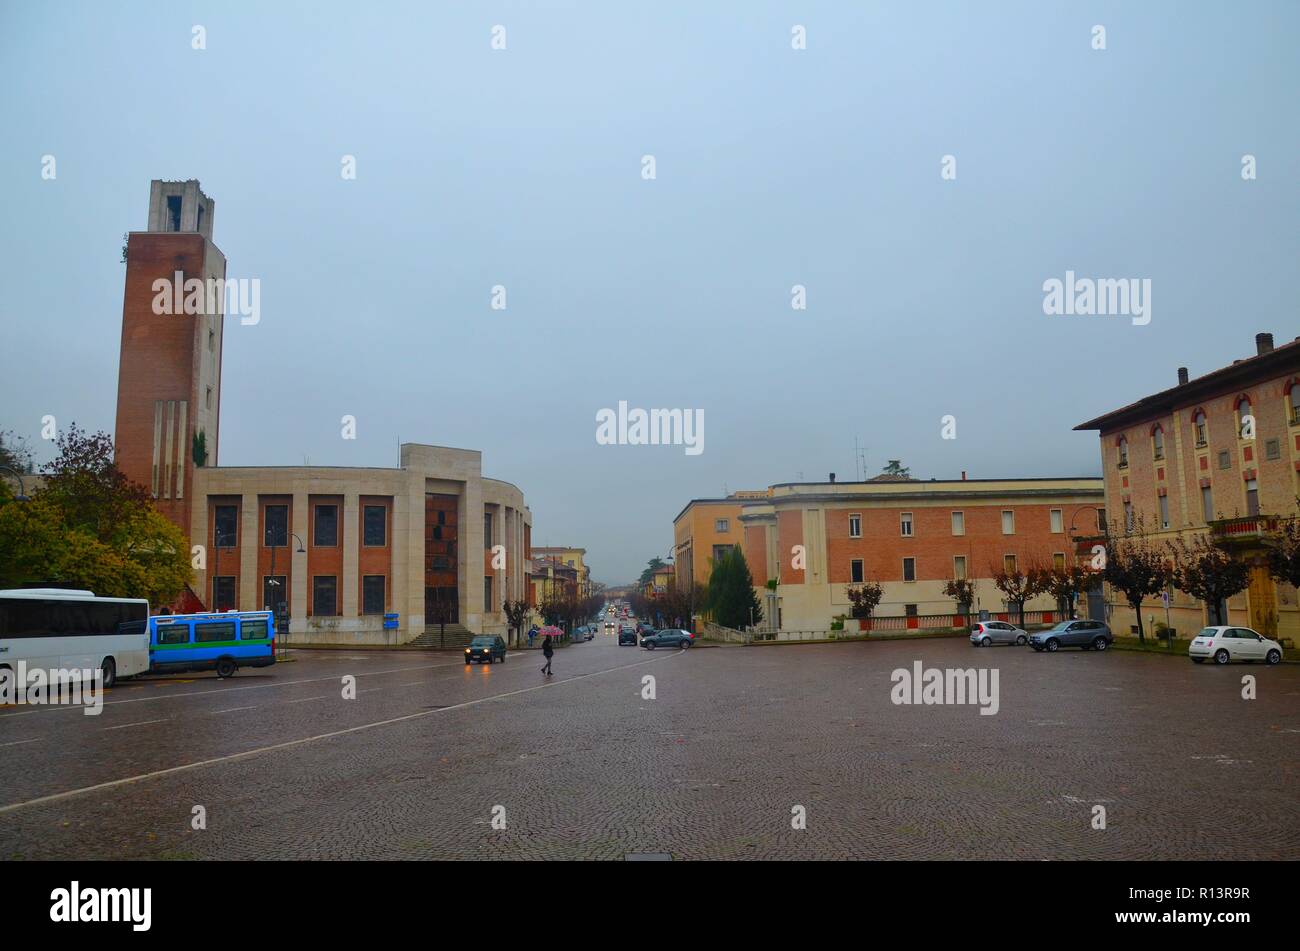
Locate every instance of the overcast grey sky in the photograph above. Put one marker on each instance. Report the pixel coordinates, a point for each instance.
(775, 167)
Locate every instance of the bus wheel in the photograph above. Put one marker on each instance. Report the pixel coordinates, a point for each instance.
(225, 668)
(108, 671)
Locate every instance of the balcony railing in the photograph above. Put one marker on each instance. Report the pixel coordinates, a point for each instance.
(1246, 528)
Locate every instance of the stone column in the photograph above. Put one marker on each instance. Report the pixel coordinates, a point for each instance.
(250, 585)
(351, 554)
(296, 570)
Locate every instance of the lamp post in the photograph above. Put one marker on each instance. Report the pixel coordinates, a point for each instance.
(301, 550)
(22, 491)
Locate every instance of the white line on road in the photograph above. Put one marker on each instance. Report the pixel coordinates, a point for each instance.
(233, 709)
(198, 693)
(113, 784)
(141, 723)
(20, 742)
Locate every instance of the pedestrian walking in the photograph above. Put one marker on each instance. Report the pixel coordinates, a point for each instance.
(532, 632)
(548, 652)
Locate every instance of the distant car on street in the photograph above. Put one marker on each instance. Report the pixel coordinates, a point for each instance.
(485, 649)
(609, 627)
(988, 633)
(644, 629)
(1225, 643)
(668, 637)
(1088, 635)
(626, 635)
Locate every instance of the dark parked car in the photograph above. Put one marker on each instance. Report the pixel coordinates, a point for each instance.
(668, 637)
(485, 649)
(644, 629)
(1089, 635)
(626, 635)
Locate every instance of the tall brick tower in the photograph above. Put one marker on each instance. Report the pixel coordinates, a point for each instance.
(169, 375)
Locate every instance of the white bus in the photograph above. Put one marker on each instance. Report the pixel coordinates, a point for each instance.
(63, 628)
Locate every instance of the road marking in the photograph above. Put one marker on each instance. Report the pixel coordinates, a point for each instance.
(232, 710)
(199, 693)
(305, 699)
(20, 742)
(114, 783)
(141, 723)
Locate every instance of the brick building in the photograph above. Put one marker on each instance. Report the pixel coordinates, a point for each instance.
(704, 529)
(1218, 454)
(331, 549)
(911, 537)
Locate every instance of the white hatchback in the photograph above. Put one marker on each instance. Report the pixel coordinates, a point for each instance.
(1233, 643)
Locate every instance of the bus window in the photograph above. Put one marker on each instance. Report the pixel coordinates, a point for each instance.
(206, 633)
(252, 630)
(173, 633)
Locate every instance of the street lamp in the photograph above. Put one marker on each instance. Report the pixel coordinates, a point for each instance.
(22, 491)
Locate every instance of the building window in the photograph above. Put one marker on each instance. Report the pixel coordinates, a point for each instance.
(909, 569)
(326, 534)
(1009, 564)
(1243, 410)
(855, 526)
(1101, 521)
(324, 596)
(375, 526)
(1158, 441)
(1056, 521)
(488, 604)
(1252, 497)
(1207, 503)
(1008, 522)
(1225, 459)
(909, 610)
(721, 551)
(1272, 449)
(1123, 453)
(173, 212)
(277, 526)
(487, 530)
(722, 525)
(225, 527)
(959, 567)
(1164, 511)
(1058, 561)
(223, 593)
(212, 341)
(1293, 403)
(1128, 516)
(207, 399)
(959, 523)
(372, 594)
(905, 524)
(855, 571)
(1198, 424)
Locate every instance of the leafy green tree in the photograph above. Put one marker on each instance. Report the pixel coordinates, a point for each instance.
(895, 467)
(648, 573)
(516, 613)
(90, 527)
(961, 590)
(732, 600)
(14, 452)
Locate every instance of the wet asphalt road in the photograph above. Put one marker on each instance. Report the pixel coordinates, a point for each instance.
(583, 766)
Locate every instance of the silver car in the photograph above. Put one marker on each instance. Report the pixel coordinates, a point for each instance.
(988, 633)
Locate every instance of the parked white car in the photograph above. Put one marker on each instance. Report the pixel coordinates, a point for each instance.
(988, 633)
(1225, 643)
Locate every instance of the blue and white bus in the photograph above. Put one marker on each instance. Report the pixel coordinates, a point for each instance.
(67, 629)
(222, 642)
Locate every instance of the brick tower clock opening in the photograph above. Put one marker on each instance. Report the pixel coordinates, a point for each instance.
(169, 374)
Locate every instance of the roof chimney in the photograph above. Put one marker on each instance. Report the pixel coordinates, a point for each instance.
(1182, 376)
(1263, 344)
(963, 475)
(832, 477)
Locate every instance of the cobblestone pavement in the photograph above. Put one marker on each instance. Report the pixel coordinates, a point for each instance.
(583, 767)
